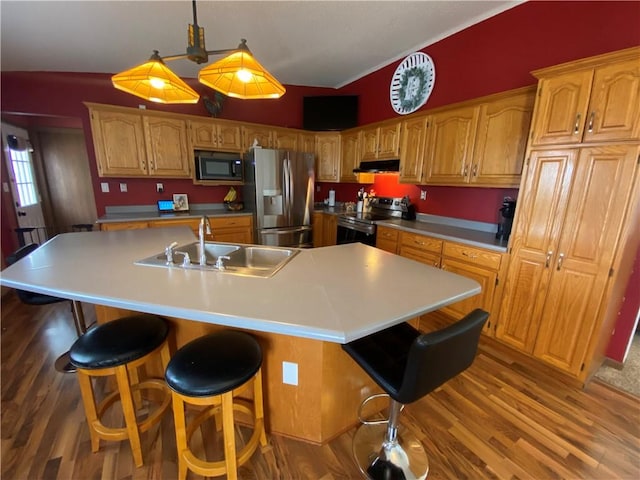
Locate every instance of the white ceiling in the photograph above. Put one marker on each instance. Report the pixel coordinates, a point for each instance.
(304, 42)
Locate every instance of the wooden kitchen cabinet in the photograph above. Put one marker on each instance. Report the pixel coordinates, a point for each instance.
(236, 229)
(350, 155)
(307, 142)
(501, 139)
(325, 229)
(123, 226)
(568, 228)
(328, 157)
(414, 135)
(380, 141)
(119, 143)
(483, 266)
(450, 144)
(128, 143)
(596, 99)
(286, 139)
(421, 248)
(168, 150)
(317, 229)
(215, 135)
(480, 264)
(263, 134)
(387, 238)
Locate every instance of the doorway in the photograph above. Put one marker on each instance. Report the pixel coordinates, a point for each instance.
(62, 161)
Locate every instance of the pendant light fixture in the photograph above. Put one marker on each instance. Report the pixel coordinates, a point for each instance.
(237, 75)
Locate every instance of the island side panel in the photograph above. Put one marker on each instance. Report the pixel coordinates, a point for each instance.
(330, 385)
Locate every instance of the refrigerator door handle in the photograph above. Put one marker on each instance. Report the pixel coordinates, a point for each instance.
(286, 186)
(283, 231)
(291, 189)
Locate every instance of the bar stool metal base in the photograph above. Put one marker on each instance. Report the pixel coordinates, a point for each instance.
(63, 364)
(401, 459)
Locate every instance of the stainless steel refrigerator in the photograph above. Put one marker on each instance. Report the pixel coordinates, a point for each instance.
(279, 189)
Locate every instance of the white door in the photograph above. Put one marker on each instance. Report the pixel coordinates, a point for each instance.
(22, 181)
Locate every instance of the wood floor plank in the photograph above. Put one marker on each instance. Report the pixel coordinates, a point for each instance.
(506, 417)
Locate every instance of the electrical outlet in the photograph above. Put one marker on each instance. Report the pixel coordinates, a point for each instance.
(104, 187)
(123, 187)
(159, 188)
(423, 194)
(290, 373)
(318, 188)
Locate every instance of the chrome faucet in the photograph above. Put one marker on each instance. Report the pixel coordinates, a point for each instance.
(204, 227)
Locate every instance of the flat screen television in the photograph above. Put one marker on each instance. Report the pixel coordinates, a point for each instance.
(329, 112)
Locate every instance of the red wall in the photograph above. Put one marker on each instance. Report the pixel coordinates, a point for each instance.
(494, 55)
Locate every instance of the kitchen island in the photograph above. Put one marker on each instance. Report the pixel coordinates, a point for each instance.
(322, 298)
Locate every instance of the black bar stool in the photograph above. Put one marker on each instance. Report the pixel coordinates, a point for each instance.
(408, 365)
(212, 371)
(82, 227)
(118, 348)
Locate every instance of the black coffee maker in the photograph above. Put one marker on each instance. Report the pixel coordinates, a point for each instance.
(507, 211)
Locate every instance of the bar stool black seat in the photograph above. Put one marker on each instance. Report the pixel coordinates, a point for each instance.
(118, 348)
(213, 371)
(62, 363)
(82, 227)
(408, 365)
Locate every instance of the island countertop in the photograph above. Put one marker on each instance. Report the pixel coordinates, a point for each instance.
(335, 294)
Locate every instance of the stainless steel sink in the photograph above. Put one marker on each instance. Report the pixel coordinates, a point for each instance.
(246, 260)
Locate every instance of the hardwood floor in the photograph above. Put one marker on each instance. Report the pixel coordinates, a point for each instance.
(503, 418)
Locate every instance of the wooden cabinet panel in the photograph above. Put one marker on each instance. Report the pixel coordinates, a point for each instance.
(387, 239)
(211, 134)
(263, 134)
(286, 139)
(168, 149)
(585, 250)
(501, 140)
(118, 140)
(381, 141)
(614, 112)
(414, 133)
(350, 155)
(450, 145)
(564, 243)
(421, 248)
(307, 142)
(329, 230)
(487, 280)
(595, 104)
(192, 223)
(123, 226)
(317, 229)
(562, 103)
(478, 256)
(328, 157)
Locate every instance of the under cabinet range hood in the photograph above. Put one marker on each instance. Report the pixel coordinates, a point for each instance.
(378, 166)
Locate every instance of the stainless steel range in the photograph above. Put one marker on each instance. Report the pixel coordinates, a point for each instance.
(361, 227)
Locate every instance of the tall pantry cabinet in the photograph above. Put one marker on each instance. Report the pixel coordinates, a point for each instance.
(578, 204)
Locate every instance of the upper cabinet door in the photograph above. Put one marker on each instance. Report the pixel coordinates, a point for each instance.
(203, 134)
(349, 158)
(167, 147)
(327, 157)
(369, 143)
(414, 133)
(501, 140)
(286, 139)
(389, 140)
(614, 112)
(264, 136)
(118, 139)
(229, 137)
(450, 145)
(561, 109)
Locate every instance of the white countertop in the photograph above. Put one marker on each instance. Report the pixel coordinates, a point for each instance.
(335, 294)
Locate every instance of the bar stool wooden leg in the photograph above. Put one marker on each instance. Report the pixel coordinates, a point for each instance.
(128, 408)
(91, 413)
(229, 436)
(259, 407)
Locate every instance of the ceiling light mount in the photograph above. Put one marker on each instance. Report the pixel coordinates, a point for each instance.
(237, 75)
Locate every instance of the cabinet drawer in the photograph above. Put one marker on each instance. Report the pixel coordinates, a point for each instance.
(421, 242)
(387, 234)
(477, 256)
(230, 222)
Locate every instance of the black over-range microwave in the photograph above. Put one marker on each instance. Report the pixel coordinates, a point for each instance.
(212, 165)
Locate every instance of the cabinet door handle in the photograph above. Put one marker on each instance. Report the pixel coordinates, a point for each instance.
(591, 117)
(470, 255)
(475, 170)
(576, 128)
(560, 259)
(548, 260)
(465, 170)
